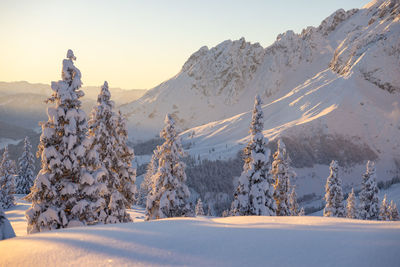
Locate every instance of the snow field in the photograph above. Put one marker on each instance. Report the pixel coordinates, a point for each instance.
(206, 241)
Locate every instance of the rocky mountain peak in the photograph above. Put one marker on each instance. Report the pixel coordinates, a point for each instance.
(225, 69)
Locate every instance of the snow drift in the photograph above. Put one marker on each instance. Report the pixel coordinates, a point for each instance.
(234, 241)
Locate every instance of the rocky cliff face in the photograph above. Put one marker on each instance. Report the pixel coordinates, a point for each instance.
(224, 70)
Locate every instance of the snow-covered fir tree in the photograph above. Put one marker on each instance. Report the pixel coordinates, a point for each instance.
(209, 212)
(125, 155)
(24, 180)
(147, 184)
(369, 202)
(105, 152)
(302, 212)
(281, 174)
(199, 208)
(334, 196)
(394, 212)
(351, 207)
(293, 205)
(384, 210)
(7, 186)
(60, 192)
(170, 195)
(254, 194)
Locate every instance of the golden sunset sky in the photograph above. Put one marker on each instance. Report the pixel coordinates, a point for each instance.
(138, 44)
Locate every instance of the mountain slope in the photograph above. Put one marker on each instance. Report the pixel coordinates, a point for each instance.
(221, 82)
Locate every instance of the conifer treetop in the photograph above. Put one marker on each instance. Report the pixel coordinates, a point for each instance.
(70, 54)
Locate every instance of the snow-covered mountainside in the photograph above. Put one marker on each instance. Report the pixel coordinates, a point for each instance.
(331, 91)
(221, 82)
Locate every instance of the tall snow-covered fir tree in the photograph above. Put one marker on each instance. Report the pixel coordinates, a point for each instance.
(126, 173)
(351, 206)
(170, 195)
(384, 210)
(281, 175)
(394, 212)
(105, 152)
(147, 184)
(293, 205)
(24, 180)
(7, 186)
(369, 202)
(60, 192)
(199, 208)
(334, 196)
(254, 194)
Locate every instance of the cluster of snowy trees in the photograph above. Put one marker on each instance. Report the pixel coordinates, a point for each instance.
(264, 188)
(15, 180)
(86, 175)
(368, 207)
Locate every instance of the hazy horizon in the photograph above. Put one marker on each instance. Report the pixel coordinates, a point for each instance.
(137, 45)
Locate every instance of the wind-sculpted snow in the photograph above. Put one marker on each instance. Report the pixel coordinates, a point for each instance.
(208, 241)
(232, 241)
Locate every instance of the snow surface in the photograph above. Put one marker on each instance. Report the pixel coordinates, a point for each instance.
(233, 241)
(207, 241)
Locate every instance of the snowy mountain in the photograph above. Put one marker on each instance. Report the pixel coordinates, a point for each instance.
(221, 82)
(332, 92)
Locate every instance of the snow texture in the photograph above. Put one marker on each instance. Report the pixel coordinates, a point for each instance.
(231, 241)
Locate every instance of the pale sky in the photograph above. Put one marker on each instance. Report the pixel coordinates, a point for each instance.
(138, 44)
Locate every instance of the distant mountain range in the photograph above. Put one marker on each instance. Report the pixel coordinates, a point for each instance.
(23, 104)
